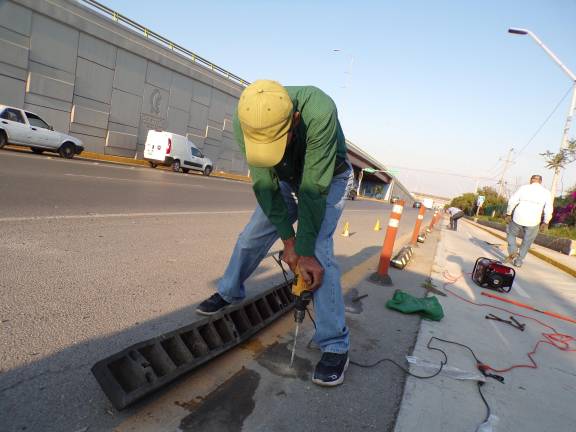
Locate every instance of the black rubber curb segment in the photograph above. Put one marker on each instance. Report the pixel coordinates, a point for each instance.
(402, 258)
(145, 367)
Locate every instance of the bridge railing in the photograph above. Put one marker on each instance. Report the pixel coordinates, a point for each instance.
(193, 57)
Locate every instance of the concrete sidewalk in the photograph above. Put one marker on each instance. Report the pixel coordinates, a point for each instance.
(539, 399)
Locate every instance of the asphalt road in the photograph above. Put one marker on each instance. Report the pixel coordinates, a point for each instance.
(95, 257)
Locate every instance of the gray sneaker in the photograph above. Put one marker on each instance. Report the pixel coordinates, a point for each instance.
(510, 258)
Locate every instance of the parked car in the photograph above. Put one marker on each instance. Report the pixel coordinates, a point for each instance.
(177, 151)
(24, 128)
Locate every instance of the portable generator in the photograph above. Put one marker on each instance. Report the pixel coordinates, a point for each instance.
(492, 274)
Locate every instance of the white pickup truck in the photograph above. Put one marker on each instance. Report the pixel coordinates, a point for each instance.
(25, 128)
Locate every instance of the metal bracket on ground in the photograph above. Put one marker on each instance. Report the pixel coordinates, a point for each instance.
(143, 368)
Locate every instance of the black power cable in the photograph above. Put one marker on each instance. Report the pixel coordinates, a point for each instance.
(442, 364)
(402, 368)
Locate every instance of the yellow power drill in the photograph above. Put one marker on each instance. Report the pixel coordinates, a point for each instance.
(303, 296)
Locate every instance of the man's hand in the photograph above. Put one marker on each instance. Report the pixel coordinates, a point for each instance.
(289, 255)
(508, 219)
(543, 227)
(311, 271)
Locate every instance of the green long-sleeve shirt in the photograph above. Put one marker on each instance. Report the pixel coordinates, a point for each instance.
(308, 164)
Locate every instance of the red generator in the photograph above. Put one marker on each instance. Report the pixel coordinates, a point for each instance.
(492, 274)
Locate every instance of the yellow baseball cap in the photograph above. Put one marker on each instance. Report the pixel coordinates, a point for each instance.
(265, 114)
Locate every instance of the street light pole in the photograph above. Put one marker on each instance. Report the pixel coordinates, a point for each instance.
(572, 76)
(348, 79)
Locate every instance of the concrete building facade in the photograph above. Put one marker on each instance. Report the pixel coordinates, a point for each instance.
(108, 85)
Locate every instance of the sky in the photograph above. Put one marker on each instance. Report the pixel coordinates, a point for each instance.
(438, 91)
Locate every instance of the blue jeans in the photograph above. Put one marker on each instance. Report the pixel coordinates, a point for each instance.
(259, 235)
(514, 230)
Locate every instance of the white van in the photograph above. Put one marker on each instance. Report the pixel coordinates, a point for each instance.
(177, 151)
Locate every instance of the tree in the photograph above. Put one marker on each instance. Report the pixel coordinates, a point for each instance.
(562, 158)
(491, 196)
(467, 201)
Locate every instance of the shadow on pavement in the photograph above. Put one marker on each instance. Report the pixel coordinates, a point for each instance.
(56, 393)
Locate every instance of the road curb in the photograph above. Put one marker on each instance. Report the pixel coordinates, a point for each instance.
(121, 160)
(139, 162)
(543, 257)
(370, 199)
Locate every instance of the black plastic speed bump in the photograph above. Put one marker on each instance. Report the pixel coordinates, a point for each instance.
(402, 258)
(143, 368)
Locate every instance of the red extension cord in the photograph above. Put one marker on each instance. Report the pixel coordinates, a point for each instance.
(557, 340)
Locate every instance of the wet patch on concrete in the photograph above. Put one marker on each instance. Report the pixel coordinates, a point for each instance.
(353, 301)
(225, 409)
(276, 359)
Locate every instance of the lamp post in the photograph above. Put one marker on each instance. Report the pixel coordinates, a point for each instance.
(564, 141)
(350, 64)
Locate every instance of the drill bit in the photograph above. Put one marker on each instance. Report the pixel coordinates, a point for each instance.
(294, 345)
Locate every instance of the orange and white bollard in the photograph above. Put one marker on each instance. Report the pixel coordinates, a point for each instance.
(417, 225)
(434, 219)
(381, 276)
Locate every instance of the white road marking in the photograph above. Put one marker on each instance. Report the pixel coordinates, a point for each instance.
(518, 288)
(133, 180)
(122, 215)
(129, 215)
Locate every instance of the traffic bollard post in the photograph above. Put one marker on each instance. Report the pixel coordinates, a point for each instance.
(417, 225)
(381, 276)
(433, 220)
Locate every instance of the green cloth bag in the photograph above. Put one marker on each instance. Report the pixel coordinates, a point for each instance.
(429, 307)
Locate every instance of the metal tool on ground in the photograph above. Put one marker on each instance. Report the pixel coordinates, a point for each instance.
(492, 274)
(532, 308)
(512, 321)
(303, 296)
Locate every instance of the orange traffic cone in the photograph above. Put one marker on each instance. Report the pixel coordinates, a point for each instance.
(346, 232)
(377, 227)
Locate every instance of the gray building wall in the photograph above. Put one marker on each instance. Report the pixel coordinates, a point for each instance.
(107, 85)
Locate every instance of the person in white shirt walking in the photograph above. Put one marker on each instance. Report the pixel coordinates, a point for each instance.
(455, 214)
(524, 216)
